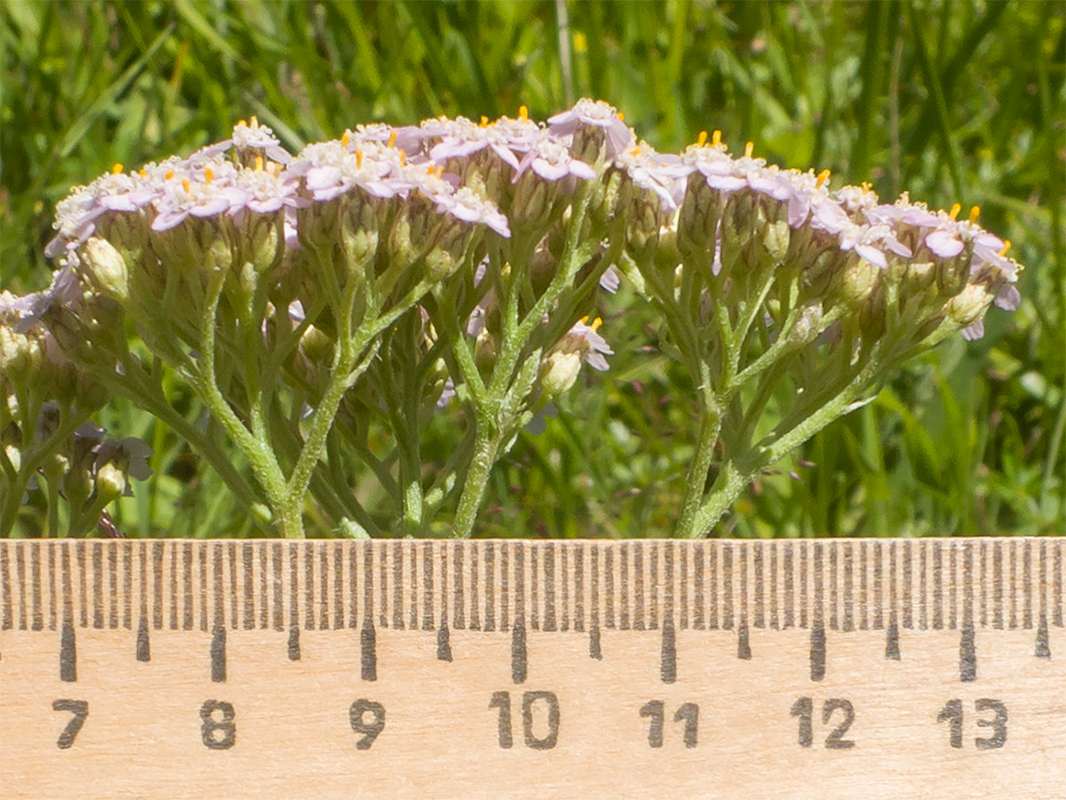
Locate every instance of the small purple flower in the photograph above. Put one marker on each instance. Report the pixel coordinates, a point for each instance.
(595, 113)
(586, 339)
(263, 192)
(466, 205)
(254, 137)
(329, 169)
(185, 198)
(664, 175)
(551, 160)
(944, 243)
(461, 138)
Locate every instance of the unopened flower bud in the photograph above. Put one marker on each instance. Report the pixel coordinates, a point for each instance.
(969, 305)
(20, 355)
(485, 352)
(106, 269)
(110, 482)
(775, 241)
(440, 264)
(921, 274)
(360, 233)
(952, 274)
(316, 346)
(872, 315)
(533, 201)
(558, 372)
(858, 281)
(642, 229)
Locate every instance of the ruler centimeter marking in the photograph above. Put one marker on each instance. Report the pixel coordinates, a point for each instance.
(520, 586)
(610, 596)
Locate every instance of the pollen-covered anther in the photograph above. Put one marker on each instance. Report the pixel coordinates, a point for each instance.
(701, 140)
(345, 139)
(185, 184)
(954, 213)
(1006, 247)
(484, 123)
(258, 163)
(975, 212)
(523, 113)
(749, 148)
(208, 175)
(170, 174)
(716, 138)
(823, 176)
(596, 323)
(117, 169)
(392, 139)
(403, 158)
(359, 159)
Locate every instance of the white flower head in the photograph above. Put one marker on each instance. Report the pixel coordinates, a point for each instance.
(551, 160)
(597, 114)
(661, 174)
(329, 169)
(188, 197)
(255, 138)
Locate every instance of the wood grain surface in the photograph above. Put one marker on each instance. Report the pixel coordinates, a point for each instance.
(330, 669)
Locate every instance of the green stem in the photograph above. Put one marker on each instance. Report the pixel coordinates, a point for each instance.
(737, 472)
(152, 399)
(696, 479)
(731, 481)
(476, 480)
(260, 456)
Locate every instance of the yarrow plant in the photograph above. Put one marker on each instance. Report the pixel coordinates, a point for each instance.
(325, 306)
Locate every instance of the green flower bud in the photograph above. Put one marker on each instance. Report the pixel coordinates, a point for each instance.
(644, 221)
(110, 483)
(558, 372)
(316, 346)
(106, 269)
(775, 241)
(920, 275)
(359, 233)
(440, 263)
(485, 352)
(542, 269)
(533, 201)
(953, 274)
(698, 219)
(857, 282)
(969, 305)
(21, 355)
(872, 316)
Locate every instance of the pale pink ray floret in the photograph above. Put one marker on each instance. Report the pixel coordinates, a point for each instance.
(597, 114)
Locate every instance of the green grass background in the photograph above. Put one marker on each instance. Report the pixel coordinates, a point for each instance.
(953, 101)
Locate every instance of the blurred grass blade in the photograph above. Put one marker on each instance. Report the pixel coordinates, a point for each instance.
(112, 93)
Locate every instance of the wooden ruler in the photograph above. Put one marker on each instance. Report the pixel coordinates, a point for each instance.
(339, 669)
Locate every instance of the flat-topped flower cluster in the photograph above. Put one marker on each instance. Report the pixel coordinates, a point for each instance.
(357, 286)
